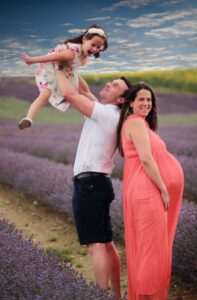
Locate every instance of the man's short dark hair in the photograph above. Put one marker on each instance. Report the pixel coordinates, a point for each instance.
(127, 92)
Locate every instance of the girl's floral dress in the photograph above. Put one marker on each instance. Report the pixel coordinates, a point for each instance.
(45, 75)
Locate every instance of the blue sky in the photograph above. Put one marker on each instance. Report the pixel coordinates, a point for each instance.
(143, 34)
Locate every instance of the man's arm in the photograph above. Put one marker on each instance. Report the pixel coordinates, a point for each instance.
(84, 89)
(78, 101)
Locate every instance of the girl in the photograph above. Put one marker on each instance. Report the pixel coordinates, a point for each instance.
(72, 54)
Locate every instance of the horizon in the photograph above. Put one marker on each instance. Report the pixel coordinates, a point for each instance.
(115, 73)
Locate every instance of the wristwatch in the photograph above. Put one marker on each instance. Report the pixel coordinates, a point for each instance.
(59, 67)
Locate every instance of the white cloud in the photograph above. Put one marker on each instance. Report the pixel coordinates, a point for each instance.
(65, 24)
(132, 4)
(120, 41)
(118, 24)
(182, 28)
(193, 38)
(157, 19)
(98, 19)
(76, 31)
(133, 45)
(172, 2)
(120, 19)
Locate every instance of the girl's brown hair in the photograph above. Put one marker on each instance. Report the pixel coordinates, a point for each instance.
(89, 36)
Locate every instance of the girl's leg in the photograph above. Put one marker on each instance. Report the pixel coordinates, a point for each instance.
(40, 101)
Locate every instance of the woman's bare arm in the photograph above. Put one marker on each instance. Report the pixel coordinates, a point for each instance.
(136, 130)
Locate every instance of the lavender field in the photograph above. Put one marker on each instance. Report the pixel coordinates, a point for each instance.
(27, 273)
(169, 103)
(39, 162)
(59, 143)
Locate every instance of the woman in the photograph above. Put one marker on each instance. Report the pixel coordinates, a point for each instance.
(152, 191)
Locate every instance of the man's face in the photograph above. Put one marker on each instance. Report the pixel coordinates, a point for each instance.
(113, 91)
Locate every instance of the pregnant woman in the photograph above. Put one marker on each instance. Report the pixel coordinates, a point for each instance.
(152, 191)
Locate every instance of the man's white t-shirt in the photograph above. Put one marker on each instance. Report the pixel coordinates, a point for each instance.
(98, 140)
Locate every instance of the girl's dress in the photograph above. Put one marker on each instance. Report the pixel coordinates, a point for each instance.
(149, 229)
(45, 75)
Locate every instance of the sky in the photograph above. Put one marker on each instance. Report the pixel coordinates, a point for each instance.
(142, 34)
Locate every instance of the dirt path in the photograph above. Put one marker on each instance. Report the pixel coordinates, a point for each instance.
(52, 230)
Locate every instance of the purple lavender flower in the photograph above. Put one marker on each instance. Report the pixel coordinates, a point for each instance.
(185, 244)
(27, 273)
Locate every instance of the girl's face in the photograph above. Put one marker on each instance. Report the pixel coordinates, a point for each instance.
(92, 46)
(142, 104)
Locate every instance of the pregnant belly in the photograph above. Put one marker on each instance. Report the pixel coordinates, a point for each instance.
(170, 169)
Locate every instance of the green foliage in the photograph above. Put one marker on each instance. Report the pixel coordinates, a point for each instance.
(52, 239)
(14, 109)
(178, 119)
(183, 80)
(63, 254)
(82, 251)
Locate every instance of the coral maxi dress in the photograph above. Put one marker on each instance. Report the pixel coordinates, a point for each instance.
(149, 229)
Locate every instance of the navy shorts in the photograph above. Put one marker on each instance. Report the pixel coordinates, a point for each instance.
(91, 207)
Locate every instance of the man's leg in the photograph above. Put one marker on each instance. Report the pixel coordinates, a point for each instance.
(106, 264)
(114, 268)
(100, 263)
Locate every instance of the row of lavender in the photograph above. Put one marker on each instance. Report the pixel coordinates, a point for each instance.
(26, 89)
(27, 273)
(51, 183)
(59, 143)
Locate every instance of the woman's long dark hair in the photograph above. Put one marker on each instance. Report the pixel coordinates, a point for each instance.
(89, 36)
(126, 110)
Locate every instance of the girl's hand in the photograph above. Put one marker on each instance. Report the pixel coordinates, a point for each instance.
(166, 199)
(26, 58)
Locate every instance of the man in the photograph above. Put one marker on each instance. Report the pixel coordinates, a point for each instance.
(93, 191)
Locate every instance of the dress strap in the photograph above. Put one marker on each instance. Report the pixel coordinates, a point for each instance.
(75, 49)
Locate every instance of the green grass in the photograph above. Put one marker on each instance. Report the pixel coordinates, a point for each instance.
(180, 80)
(52, 239)
(64, 254)
(178, 119)
(13, 109)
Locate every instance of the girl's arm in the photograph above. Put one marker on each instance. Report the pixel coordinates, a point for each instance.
(63, 56)
(84, 89)
(136, 131)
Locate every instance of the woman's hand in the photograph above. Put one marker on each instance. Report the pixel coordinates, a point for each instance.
(165, 198)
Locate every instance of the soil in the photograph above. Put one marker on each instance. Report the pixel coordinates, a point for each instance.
(50, 229)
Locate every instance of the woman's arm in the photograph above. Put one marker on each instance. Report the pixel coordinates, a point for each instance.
(84, 89)
(136, 130)
(63, 56)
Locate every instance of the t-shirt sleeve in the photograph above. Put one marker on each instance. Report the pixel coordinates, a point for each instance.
(105, 115)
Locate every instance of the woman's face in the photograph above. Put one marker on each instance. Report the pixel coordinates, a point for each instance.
(142, 104)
